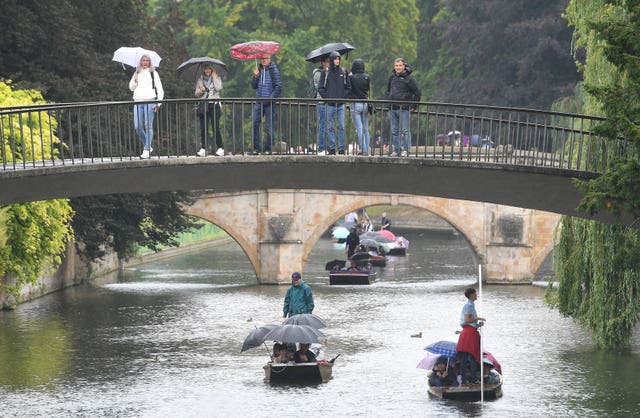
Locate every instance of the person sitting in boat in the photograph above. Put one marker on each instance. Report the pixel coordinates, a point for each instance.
(443, 373)
(283, 352)
(304, 355)
(488, 377)
(353, 265)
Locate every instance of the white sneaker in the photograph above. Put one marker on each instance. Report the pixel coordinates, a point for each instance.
(201, 153)
(403, 154)
(150, 150)
(322, 152)
(393, 154)
(145, 154)
(220, 152)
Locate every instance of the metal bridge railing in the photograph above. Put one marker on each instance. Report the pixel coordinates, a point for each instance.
(85, 133)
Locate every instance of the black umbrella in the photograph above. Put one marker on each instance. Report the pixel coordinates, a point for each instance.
(192, 68)
(306, 319)
(360, 256)
(294, 334)
(335, 264)
(256, 337)
(317, 54)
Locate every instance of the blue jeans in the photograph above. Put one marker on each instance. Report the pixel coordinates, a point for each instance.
(268, 110)
(400, 119)
(360, 115)
(473, 365)
(322, 125)
(143, 115)
(331, 112)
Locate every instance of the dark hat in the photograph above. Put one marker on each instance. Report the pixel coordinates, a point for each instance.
(295, 276)
(334, 55)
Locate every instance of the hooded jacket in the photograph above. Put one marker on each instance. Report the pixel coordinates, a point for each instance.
(298, 300)
(403, 87)
(267, 84)
(334, 83)
(360, 81)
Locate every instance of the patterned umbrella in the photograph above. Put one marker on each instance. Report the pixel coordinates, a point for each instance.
(253, 50)
(443, 348)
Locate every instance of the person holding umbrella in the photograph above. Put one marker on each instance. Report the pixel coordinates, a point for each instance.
(267, 84)
(335, 84)
(208, 87)
(299, 297)
(146, 86)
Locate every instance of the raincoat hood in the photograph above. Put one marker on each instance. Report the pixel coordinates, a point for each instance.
(357, 66)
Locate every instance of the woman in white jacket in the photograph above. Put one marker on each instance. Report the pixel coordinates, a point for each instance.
(146, 86)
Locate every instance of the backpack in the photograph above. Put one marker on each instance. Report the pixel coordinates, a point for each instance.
(313, 83)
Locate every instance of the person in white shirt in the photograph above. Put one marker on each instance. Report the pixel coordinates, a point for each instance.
(146, 86)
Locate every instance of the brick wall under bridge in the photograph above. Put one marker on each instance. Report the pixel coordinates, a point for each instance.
(277, 229)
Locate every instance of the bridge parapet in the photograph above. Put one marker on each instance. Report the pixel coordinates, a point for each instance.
(46, 136)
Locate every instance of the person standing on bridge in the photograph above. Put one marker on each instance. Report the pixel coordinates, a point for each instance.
(208, 87)
(321, 106)
(146, 86)
(402, 87)
(299, 298)
(267, 84)
(360, 83)
(335, 84)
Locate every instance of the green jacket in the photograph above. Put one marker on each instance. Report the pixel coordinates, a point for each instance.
(298, 300)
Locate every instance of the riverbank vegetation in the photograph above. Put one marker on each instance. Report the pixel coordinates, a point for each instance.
(598, 264)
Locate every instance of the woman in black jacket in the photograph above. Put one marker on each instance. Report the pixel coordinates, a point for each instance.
(360, 84)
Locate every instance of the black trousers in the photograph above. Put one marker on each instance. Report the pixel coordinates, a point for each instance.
(211, 117)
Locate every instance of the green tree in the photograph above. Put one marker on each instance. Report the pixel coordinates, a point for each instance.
(493, 52)
(66, 54)
(599, 265)
(33, 235)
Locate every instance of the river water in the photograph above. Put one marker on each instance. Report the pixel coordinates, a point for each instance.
(164, 340)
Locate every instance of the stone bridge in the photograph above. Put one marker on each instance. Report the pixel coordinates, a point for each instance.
(278, 228)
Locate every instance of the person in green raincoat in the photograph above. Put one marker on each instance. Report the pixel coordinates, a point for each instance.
(299, 298)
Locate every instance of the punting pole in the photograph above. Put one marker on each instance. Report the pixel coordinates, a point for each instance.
(479, 330)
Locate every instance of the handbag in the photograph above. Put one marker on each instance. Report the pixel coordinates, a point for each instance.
(371, 108)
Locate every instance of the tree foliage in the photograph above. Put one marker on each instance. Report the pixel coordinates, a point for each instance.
(121, 222)
(598, 265)
(494, 52)
(64, 50)
(32, 235)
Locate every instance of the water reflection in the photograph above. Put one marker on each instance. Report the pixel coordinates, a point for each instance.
(165, 339)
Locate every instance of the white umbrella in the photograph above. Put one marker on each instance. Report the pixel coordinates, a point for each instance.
(454, 133)
(130, 55)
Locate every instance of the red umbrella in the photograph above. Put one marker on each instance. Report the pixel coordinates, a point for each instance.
(253, 50)
(387, 233)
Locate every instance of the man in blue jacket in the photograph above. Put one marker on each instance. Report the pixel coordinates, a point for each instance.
(299, 298)
(267, 84)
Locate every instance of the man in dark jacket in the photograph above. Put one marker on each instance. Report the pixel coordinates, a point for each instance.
(335, 84)
(402, 87)
(360, 83)
(267, 84)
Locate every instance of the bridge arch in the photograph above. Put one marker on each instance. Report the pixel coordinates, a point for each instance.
(279, 228)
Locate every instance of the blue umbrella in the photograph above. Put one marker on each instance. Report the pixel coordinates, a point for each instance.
(444, 348)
